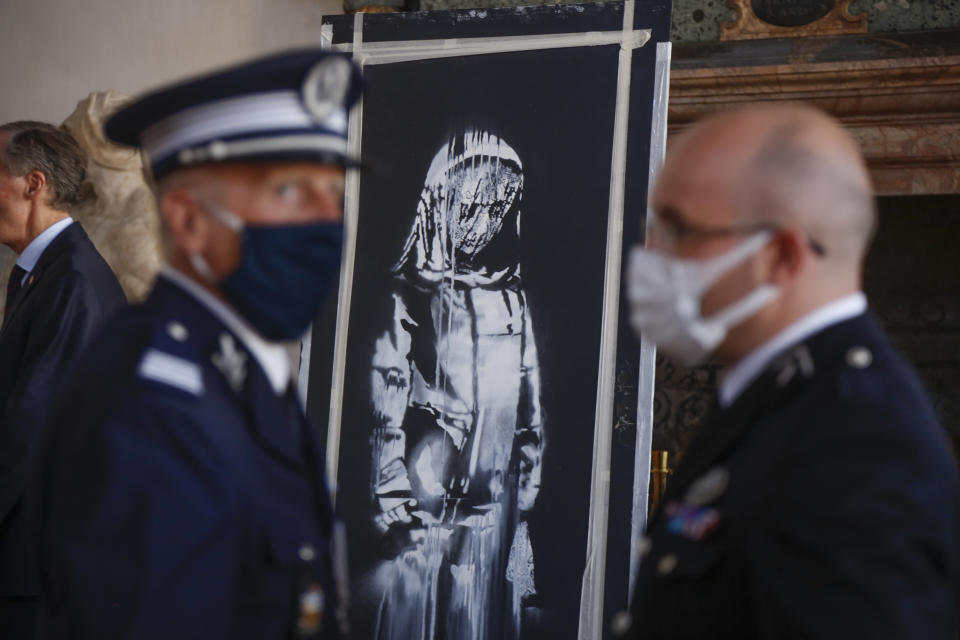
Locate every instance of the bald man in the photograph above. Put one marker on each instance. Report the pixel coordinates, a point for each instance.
(821, 499)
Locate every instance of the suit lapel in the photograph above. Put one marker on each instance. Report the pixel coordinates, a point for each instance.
(66, 239)
(728, 427)
(270, 419)
(785, 376)
(723, 430)
(19, 298)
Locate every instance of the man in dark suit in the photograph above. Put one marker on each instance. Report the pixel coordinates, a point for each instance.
(821, 499)
(60, 292)
(183, 493)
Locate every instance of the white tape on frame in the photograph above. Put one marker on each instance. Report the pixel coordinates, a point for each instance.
(351, 215)
(648, 352)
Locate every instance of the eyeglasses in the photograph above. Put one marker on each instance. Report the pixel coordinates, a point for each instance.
(674, 230)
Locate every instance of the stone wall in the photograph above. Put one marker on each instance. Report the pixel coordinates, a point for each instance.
(55, 53)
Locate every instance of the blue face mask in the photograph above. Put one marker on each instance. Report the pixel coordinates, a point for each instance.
(284, 276)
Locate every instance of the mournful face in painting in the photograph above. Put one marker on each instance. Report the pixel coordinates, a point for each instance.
(458, 435)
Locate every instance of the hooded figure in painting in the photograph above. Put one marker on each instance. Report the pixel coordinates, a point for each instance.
(458, 436)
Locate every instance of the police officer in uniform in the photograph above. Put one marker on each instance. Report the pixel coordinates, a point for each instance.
(821, 498)
(180, 490)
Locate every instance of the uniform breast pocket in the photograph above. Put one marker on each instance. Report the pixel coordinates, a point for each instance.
(278, 566)
(688, 593)
(278, 586)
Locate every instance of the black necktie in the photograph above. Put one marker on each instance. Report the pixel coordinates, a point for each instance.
(13, 287)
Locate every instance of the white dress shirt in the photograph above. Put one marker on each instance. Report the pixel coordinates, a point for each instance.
(742, 374)
(271, 356)
(28, 259)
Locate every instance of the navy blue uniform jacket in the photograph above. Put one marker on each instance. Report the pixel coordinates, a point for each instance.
(180, 497)
(67, 297)
(823, 503)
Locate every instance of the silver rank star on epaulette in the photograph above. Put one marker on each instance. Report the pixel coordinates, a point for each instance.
(796, 361)
(231, 361)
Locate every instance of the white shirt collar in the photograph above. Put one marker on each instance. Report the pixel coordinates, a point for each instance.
(742, 374)
(28, 259)
(271, 356)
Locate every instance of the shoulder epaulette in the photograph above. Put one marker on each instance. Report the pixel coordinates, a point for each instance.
(169, 360)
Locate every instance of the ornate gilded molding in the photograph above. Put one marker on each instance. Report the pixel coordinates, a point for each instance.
(791, 19)
(905, 111)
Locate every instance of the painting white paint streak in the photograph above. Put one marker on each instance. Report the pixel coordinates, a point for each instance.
(458, 437)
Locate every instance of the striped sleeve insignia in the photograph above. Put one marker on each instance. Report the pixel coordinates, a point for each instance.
(172, 371)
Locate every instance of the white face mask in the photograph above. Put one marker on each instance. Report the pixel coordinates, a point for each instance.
(665, 294)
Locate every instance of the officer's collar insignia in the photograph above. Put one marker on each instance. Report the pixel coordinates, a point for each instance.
(326, 86)
(797, 361)
(692, 523)
(231, 361)
(707, 487)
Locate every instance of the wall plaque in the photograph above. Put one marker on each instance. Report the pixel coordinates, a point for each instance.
(791, 13)
(790, 19)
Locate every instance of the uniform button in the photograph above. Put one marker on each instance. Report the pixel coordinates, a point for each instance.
(667, 564)
(621, 623)
(177, 331)
(307, 552)
(859, 357)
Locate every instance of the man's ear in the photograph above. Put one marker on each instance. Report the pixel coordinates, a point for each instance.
(186, 222)
(35, 183)
(790, 248)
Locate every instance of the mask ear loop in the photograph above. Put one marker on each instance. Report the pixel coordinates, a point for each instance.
(692, 278)
(713, 269)
(200, 265)
(711, 331)
(227, 217)
(234, 222)
(720, 322)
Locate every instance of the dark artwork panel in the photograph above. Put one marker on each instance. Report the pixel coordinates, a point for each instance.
(473, 347)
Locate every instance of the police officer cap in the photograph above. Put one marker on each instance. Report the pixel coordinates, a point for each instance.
(290, 107)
